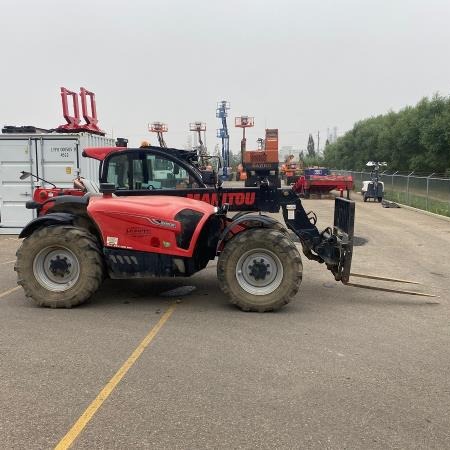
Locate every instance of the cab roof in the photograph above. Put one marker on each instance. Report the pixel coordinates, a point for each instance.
(100, 153)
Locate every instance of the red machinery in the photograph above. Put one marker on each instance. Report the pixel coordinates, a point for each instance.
(290, 170)
(320, 181)
(150, 227)
(261, 164)
(73, 124)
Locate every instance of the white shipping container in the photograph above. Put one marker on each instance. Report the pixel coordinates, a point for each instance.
(57, 157)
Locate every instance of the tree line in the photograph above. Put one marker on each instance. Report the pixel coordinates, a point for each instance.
(416, 138)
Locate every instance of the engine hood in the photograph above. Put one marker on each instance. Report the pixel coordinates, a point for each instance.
(163, 207)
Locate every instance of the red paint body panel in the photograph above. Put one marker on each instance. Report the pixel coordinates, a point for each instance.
(41, 194)
(135, 222)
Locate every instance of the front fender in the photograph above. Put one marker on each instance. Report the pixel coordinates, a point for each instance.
(257, 219)
(47, 220)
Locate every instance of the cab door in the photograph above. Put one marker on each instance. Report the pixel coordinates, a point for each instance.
(141, 170)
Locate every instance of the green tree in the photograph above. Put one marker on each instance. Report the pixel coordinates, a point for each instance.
(310, 148)
(414, 138)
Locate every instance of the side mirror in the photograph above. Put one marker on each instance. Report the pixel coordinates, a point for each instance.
(107, 188)
(25, 175)
(209, 177)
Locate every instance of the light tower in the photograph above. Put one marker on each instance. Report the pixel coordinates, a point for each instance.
(244, 122)
(222, 133)
(159, 128)
(198, 127)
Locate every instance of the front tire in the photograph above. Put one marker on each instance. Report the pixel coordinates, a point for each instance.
(260, 270)
(59, 266)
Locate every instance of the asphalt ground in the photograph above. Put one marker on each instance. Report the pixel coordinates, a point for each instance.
(339, 367)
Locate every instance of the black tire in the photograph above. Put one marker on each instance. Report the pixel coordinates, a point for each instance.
(59, 266)
(258, 247)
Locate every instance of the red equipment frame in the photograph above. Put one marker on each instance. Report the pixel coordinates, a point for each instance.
(73, 124)
(324, 184)
(91, 120)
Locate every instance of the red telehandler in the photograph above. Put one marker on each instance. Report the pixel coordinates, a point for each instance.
(156, 215)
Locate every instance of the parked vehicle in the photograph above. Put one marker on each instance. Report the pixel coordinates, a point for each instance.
(373, 188)
(137, 228)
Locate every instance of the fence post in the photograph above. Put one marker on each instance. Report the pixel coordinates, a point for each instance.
(428, 190)
(392, 184)
(407, 188)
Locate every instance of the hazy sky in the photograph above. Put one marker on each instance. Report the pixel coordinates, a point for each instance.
(300, 66)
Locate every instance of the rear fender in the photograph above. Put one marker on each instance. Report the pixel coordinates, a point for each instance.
(48, 220)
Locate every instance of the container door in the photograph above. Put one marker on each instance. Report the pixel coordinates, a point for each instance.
(58, 160)
(16, 155)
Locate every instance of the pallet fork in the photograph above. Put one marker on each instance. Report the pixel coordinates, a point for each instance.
(382, 289)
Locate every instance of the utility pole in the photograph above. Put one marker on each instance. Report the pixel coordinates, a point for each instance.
(318, 142)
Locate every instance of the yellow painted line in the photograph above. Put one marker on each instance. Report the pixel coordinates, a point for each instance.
(8, 262)
(9, 291)
(90, 411)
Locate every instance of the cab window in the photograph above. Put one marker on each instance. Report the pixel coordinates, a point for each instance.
(147, 171)
(118, 172)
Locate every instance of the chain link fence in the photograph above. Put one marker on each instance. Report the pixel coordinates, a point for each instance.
(430, 192)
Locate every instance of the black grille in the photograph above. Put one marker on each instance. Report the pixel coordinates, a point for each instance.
(189, 220)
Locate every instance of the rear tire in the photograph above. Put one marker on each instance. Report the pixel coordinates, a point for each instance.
(260, 270)
(59, 266)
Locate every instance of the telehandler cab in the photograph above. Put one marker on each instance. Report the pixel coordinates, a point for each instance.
(156, 215)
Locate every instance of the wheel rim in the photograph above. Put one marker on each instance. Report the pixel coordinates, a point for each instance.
(259, 272)
(56, 268)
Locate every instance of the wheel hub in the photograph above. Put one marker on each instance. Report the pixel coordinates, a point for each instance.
(259, 269)
(56, 268)
(60, 266)
(259, 272)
